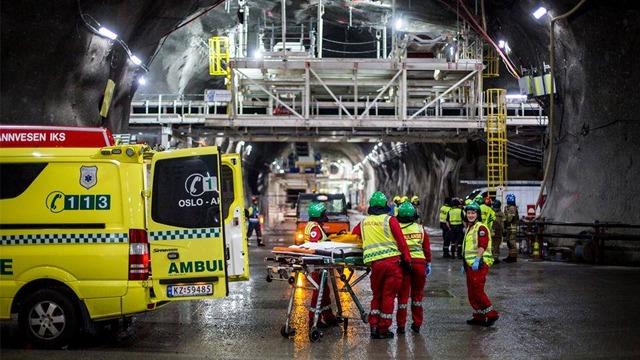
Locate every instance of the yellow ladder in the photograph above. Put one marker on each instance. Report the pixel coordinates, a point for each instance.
(491, 62)
(496, 141)
(219, 56)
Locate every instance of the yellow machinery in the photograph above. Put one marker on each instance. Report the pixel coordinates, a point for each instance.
(219, 56)
(496, 141)
(492, 68)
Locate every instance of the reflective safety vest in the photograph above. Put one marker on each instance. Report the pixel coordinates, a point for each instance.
(254, 213)
(377, 240)
(307, 231)
(488, 216)
(444, 210)
(470, 249)
(414, 234)
(455, 216)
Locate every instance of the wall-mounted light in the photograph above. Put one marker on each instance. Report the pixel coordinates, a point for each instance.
(539, 12)
(107, 33)
(501, 44)
(142, 80)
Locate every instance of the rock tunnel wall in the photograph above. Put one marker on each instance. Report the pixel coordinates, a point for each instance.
(54, 69)
(595, 165)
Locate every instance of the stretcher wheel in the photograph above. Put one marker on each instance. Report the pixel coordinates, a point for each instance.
(345, 325)
(285, 333)
(314, 335)
(343, 277)
(291, 280)
(269, 278)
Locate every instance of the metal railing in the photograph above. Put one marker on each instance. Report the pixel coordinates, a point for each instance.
(597, 232)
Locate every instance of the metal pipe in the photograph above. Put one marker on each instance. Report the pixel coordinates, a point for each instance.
(320, 29)
(284, 27)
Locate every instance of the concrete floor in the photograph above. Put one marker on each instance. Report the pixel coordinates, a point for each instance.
(548, 310)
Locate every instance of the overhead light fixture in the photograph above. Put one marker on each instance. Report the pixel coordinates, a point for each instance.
(108, 33)
(540, 12)
(142, 80)
(501, 44)
(136, 60)
(257, 54)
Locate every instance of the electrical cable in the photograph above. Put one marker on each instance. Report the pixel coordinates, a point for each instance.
(348, 43)
(349, 52)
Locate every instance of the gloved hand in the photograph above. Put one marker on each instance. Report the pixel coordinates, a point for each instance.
(428, 270)
(405, 266)
(476, 264)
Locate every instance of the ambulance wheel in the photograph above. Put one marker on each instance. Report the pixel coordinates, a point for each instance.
(48, 318)
(285, 333)
(314, 335)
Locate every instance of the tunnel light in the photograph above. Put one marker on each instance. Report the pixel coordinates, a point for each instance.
(142, 80)
(540, 12)
(220, 134)
(257, 54)
(108, 33)
(136, 60)
(399, 24)
(501, 44)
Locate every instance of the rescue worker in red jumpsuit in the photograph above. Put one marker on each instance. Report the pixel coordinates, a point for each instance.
(413, 283)
(313, 233)
(385, 249)
(477, 259)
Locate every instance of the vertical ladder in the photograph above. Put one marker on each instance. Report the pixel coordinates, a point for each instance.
(496, 142)
(219, 56)
(491, 61)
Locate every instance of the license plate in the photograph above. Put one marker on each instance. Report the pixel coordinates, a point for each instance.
(189, 290)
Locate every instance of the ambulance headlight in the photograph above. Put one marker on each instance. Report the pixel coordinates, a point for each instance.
(130, 152)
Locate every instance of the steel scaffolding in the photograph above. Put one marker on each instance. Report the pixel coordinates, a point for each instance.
(495, 100)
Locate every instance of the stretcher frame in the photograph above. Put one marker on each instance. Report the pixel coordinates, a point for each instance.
(287, 267)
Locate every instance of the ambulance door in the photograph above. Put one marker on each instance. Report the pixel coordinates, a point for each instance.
(235, 224)
(185, 225)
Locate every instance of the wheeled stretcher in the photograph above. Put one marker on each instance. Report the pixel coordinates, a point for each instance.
(337, 267)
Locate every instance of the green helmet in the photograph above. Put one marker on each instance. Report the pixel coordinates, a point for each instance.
(406, 210)
(473, 206)
(378, 199)
(479, 200)
(316, 210)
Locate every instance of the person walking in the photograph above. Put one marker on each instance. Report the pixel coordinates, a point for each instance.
(477, 260)
(413, 284)
(456, 227)
(444, 210)
(385, 249)
(253, 214)
(511, 224)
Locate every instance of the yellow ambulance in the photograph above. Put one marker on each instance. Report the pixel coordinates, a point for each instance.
(90, 231)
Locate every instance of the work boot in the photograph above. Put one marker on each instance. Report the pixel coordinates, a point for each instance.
(496, 261)
(325, 324)
(415, 328)
(382, 335)
(490, 321)
(260, 243)
(400, 330)
(510, 259)
(446, 255)
(374, 332)
(475, 321)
